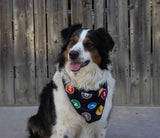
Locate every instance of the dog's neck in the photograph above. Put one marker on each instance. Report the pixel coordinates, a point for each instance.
(88, 78)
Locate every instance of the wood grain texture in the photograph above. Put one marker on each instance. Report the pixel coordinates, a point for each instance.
(40, 45)
(140, 34)
(29, 49)
(100, 15)
(156, 52)
(24, 51)
(118, 28)
(6, 54)
(81, 12)
(57, 19)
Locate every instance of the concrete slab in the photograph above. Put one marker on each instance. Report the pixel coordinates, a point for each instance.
(134, 122)
(13, 121)
(125, 122)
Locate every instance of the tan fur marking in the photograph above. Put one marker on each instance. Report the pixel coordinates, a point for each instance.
(93, 52)
(87, 41)
(96, 57)
(65, 54)
(73, 40)
(89, 45)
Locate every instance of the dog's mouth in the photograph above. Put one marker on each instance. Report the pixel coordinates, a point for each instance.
(76, 66)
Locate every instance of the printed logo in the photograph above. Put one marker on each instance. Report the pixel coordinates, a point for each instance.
(92, 105)
(76, 103)
(99, 110)
(104, 94)
(69, 89)
(86, 95)
(87, 116)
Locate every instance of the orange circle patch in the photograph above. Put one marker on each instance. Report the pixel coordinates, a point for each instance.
(69, 88)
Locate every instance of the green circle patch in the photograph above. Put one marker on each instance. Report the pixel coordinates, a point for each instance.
(76, 103)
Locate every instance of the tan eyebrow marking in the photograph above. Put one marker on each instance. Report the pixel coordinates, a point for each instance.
(75, 39)
(87, 40)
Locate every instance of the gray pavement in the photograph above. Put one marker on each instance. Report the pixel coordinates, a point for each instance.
(134, 122)
(125, 122)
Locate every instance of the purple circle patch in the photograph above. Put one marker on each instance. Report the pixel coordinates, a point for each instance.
(86, 95)
(87, 116)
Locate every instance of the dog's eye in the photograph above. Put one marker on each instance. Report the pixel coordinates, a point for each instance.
(71, 43)
(89, 45)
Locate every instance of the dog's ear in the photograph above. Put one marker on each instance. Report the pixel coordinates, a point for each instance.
(106, 37)
(67, 32)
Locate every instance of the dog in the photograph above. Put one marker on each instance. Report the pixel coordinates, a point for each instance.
(78, 100)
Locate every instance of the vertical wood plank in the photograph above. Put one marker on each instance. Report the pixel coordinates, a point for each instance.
(156, 52)
(40, 44)
(76, 11)
(118, 28)
(140, 51)
(82, 12)
(6, 54)
(99, 12)
(24, 51)
(57, 19)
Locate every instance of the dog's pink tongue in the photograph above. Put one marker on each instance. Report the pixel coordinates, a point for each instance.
(75, 66)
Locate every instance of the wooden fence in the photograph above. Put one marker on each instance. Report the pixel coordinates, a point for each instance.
(30, 42)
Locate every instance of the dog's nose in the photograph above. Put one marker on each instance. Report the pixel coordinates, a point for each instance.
(73, 54)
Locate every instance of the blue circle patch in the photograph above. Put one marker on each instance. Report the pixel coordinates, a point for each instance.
(92, 105)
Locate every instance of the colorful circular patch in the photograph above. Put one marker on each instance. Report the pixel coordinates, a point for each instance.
(86, 95)
(76, 103)
(87, 116)
(104, 94)
(100, 92)
(99, 110)
(92, 105)
(69, 89)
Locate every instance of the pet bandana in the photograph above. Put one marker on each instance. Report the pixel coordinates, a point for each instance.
(89, 104)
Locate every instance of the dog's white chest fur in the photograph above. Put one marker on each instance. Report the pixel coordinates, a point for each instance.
(69, 123)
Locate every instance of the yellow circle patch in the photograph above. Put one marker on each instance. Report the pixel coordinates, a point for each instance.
(100, 92)
(99, 110)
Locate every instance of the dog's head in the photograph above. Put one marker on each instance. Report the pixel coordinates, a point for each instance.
(83, 47)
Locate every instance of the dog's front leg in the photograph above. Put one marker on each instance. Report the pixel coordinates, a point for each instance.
(63, 136)
(100, 132)
(63, 133)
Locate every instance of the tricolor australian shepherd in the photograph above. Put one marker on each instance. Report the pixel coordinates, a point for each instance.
(77, 102)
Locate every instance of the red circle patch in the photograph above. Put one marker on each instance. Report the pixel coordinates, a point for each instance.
(104, 94)
(69, 88)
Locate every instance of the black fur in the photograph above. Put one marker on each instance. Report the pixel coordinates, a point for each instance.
(67, 32)
(106, 38)
(40, 124)
(102, 41)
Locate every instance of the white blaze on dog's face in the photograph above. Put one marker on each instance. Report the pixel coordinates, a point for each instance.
(78, 56)
(81, 51)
